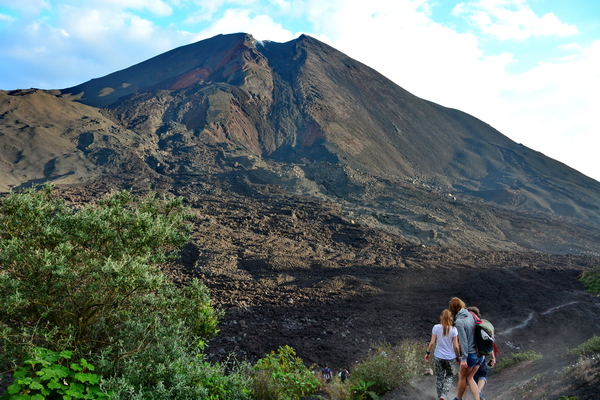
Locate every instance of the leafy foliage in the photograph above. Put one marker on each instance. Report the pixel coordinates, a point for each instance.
(591, 280)
(589, 348)
(87, 279)
(282, 375)
(47, 374)
(516, 358)
(390, 366)
(361, 390)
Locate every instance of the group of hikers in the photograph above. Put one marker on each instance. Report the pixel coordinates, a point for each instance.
(460, 338)
(326, 373)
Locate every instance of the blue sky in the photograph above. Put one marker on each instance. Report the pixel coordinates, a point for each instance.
(529, 68)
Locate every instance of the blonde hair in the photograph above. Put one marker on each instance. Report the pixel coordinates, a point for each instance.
(446, 321)
(456, 305)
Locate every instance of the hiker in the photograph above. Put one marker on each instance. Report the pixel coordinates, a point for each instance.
(480, 376)
(480, 379)
(344, 374)
(469, 359)
(492, 355)
(326, 373)
(444, 337)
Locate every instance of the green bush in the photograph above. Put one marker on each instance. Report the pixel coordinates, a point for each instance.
(188, 377)
(47, 374)
(390, 366)
(88, 279)
(361, 391)
(516, 358)
(591, 280)
(282, 375)
(589, 348)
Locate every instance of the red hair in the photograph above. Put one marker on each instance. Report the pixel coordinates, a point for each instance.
(456, 305)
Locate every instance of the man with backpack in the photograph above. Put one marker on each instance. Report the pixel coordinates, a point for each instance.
(326, 373)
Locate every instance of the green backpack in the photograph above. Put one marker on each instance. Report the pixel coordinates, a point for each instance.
(484, 336)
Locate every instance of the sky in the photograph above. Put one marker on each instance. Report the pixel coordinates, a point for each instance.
(529, 68)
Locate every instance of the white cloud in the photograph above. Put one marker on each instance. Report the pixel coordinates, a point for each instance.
(6, 18)
(206, 10)
(79, 43)
(552, 108)
(262, 27)
(26, 8)
(512, 19)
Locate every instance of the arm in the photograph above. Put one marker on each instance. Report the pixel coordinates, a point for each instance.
(456, 347)
(462, 339)
(430, 346)
(464, 345)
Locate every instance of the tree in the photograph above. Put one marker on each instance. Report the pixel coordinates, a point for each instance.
(87, 278)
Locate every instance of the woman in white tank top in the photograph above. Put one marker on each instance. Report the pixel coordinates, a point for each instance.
(444, 337)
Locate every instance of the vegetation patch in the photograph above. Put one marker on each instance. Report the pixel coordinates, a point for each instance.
(591, 281)
(589, 348)
(281, 375)
(388, 367)
(517, 358)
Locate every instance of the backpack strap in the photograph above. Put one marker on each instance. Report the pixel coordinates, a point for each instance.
(477, 319)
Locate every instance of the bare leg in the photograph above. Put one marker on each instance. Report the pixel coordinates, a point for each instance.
(462, 382)
(472, 385)
(481, 384)
(465, 377)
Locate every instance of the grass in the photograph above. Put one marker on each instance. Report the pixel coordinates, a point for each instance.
(589, 348)
(517, 358)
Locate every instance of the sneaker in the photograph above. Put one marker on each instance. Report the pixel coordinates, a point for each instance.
(481, 396)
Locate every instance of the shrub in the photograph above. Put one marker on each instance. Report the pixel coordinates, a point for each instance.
(87, 279)
(188, 377)
(589, 348)
(390, 366)
(47, 374)
(516, 358)
(361, 391)
(591, 280)
(282, 375)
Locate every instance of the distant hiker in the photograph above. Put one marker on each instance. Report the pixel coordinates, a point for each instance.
(469, 360)
(326, 373)
(344, 374)
(445, 339)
